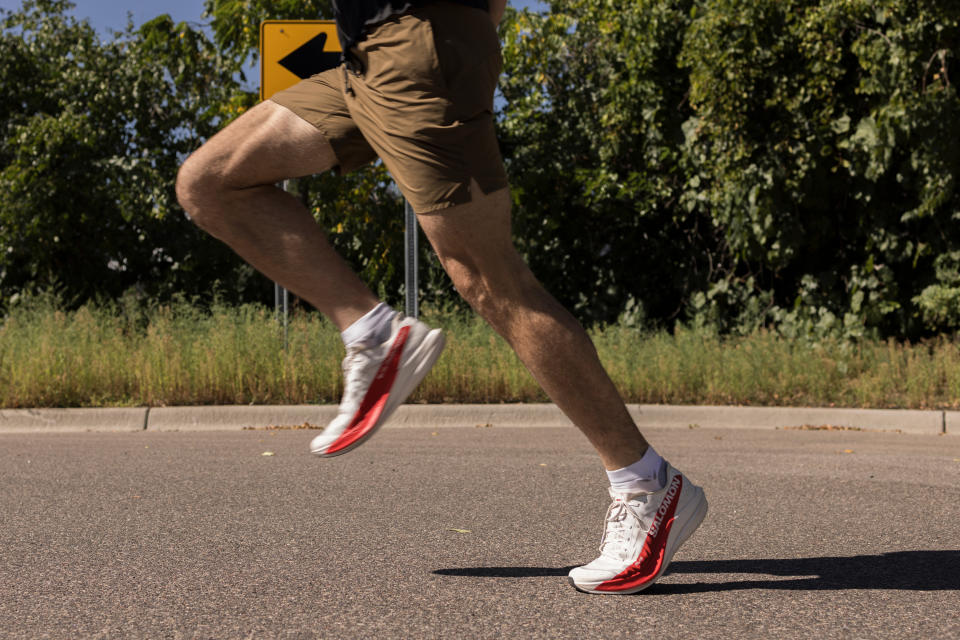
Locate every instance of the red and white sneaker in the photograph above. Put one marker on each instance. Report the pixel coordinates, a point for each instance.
(643, 531)
(377, 379)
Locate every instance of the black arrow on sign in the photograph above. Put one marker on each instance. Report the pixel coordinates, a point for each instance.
(310, 58)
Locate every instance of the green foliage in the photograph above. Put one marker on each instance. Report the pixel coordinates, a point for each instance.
(591, 133)
(939, 304)
(818, 147)
(236, 23)
(724, 164)
(93, 134)
(782, 163)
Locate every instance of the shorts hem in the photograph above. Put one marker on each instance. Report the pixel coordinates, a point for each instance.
(475, 189)
(438, 207)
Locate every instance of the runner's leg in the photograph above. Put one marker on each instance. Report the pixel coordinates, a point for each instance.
(422, 96)
(228, 187)
(474, 245)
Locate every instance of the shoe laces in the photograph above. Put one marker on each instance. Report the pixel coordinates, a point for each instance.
(621, 524)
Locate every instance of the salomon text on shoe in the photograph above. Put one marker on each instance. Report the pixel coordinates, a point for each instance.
(642, 532)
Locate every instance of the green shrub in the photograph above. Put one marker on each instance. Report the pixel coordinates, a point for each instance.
(741, 163)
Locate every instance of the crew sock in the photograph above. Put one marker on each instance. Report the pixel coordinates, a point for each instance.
(643, 475)
(372, 328)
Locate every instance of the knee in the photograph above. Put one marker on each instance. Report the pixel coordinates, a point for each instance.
(477, 294)
(495, 294)
(466, 280)
(197, 190)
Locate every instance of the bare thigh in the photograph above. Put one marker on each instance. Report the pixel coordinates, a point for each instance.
(475, 236)
(265, 145)
(474, 244)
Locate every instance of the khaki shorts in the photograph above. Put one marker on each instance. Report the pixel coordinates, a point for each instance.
(420, 98)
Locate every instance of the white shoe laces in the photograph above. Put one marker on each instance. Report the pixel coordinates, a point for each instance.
(622, 521)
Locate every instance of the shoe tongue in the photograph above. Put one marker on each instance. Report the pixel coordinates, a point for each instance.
(626, 496)
(358, 353)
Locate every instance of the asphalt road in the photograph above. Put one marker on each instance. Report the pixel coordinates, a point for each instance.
(199, 535)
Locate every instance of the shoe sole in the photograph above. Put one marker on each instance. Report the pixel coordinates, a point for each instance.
(693, 523)
(423, 359)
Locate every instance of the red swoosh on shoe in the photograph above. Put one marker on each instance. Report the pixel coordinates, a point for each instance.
(373, 403)
(648, 564)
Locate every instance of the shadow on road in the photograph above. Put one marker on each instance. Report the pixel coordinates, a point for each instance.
(504, 572)
(907, 570)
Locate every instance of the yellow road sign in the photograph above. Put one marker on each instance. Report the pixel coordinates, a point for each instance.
(291, 50)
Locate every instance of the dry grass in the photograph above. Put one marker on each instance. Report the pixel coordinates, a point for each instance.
(180, 356)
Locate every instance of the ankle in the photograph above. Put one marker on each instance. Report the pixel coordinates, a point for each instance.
(643, 475)
(372, 328)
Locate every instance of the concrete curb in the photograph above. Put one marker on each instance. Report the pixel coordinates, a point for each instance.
(213, 418)
(72, 420)
(232, 417)
(908, 421)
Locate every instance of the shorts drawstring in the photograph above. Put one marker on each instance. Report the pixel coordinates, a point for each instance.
(346, 80)
(347, 65)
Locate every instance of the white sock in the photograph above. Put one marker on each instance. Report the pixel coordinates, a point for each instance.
(642, 475)
(372, 328)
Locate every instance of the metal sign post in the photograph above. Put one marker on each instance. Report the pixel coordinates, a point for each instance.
(410, 262)
(281, 297)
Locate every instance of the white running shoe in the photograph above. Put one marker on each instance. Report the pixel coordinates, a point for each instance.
(643, 531)
(377, 379)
